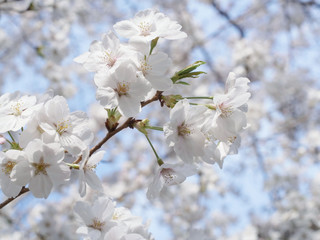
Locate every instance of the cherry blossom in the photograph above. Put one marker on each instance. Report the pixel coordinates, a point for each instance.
(169, 174)
(87, 175)
(154, 67)
(230, 118)
(96, 217)
(103, 221)
(9, 162)
(184, 130)
(149, 24)
(104, 55)
(46, 167)
(59, 125)
(124, 89)
(16, 111)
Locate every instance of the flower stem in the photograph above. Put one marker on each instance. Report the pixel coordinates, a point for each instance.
(72, 165)
(154, 128)
(11, 137)
(211, 98)
(159, 160)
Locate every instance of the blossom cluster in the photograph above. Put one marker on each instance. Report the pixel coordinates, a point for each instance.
(46, 141)
(203, 133)
(102, 220)
(126, 73)
(40, 130)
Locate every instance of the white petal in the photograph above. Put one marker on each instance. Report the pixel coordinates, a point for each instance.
(82, 58)
(155, 187)
(83, 209)
(107, 97)
(7, 123)
(93, 180)
(82, 184)
(59, 174)
(126, 29)
(71, 143)
(21, 173)
(128, 106)
(96, 158)
(9, 188)
(40, 186)
(103, 208)
(161, 83)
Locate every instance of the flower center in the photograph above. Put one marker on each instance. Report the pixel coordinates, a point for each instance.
(110, 59)
(40, 167)
(62, 126)
(232, 139)
(168, 175)
(145, 28)
(122, 88)
(17, 108)
(184, 130)
(7, 169)
(97, 224)
(144, 66)
(89, 167)
(226, 111)
(116, 215)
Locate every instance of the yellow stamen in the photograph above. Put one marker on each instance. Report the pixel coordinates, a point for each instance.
(7, 169)
(40, 167)
(122, 89)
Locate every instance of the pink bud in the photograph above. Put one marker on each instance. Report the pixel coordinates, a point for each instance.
(2, 140)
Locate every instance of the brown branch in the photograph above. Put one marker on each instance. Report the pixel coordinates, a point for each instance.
(23, 190)
(128, 123)
(156, 97)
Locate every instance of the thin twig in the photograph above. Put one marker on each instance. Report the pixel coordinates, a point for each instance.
(156, 97)
(228, 18)
(23, 190)
(126, 124)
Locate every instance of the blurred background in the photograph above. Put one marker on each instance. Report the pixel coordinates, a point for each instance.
(270, 190)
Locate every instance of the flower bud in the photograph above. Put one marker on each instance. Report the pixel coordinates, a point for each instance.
(2, 140)
(170, 100)
(140, 125)
(113, 118)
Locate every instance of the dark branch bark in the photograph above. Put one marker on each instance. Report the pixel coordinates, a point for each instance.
(23, 190)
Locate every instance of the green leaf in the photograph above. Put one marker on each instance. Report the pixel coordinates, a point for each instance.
(153, 44)
(183, 83)
(187, 72)
(191, 67)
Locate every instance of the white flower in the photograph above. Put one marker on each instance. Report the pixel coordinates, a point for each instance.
(47, 167)
(87, 174)
(184, 130)
(230, 118)
(120, 232)
(104, 55)
(96, 217)
(16, 112)
(71, 130)
(124, 88)
(149, 24)
(103, 221)
(167, 175)
(154, 67)
(9, 162)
